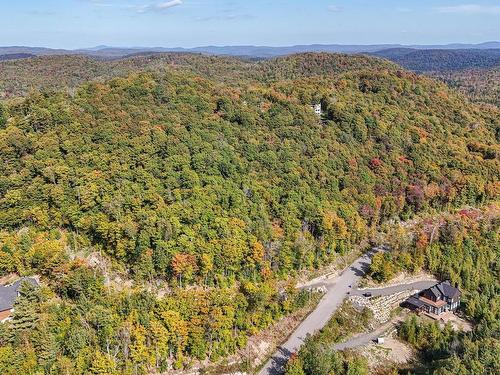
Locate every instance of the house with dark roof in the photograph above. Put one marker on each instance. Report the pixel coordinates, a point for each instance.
(436, 300)
(9, 294)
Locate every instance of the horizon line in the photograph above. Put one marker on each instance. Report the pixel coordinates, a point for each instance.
(105, 46)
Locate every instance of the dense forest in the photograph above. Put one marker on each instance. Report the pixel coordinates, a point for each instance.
(15, 56)
(473, 72)
(440, 60)
(480, 85)
(209, 188)
(63, 72)
(18, 77)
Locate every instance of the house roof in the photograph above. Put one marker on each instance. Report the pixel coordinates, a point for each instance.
(444, 290)
(415, 302)
(8, 293)
(435, 291)
(447, 290)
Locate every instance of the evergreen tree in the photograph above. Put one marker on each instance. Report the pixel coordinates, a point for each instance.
(26, 311)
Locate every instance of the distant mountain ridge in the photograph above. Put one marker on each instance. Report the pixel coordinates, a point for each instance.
(432, 60)
(104, 51)
(16, 56)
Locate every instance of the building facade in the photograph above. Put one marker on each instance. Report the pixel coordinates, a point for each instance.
(436, 300)
(317, 109)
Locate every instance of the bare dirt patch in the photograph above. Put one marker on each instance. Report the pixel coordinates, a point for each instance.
(392, 353)
(458, 323)
(10, 278)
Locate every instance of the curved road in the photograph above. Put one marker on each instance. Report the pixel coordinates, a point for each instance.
(366, 338)
(337, 290)
(387, 291)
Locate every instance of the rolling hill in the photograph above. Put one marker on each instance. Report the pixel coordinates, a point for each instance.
(480, 85)
(15, 56)
(474, 72)
(62, 72)
(438, 60)
(206, 188)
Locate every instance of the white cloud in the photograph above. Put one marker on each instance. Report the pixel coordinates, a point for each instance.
(470, 9)
(155, 7)
(168, 4)
(334, 8)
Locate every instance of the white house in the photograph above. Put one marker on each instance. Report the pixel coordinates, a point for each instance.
(317, 109)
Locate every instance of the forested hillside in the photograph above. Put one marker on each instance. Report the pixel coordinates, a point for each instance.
(473, 72)
(15, 56)
(218, 184)
(435, 60)
(18, 77)
(67, 72)
(480, 85)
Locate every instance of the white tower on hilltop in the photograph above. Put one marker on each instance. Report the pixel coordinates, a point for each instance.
(317, 108)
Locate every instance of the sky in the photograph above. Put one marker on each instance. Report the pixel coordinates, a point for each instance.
(189, 23)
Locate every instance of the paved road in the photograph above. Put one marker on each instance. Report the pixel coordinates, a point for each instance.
(365, 338)
(369, 337)
(337, 290)
(417, 285)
